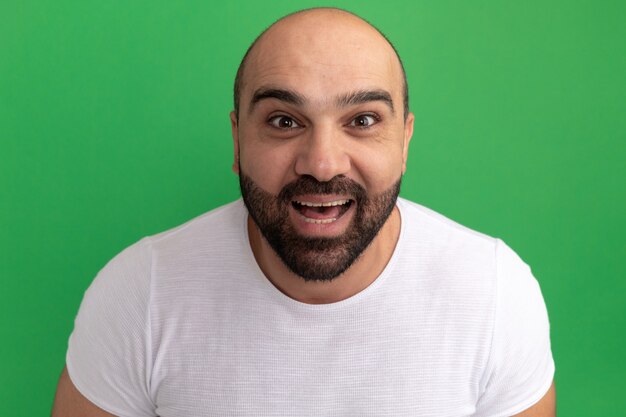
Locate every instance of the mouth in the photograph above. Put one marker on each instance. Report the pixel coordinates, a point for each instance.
(322, 212)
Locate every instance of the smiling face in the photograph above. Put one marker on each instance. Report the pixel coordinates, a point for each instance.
(321, 139)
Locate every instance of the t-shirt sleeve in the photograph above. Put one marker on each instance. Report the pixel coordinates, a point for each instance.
(520, 368)
(108, 357)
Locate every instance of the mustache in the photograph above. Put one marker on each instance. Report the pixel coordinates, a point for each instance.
(307, 184)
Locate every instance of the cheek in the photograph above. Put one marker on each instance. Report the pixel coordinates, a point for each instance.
(379, 170)
(270, 168)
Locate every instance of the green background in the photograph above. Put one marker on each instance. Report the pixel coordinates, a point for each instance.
(114, 125)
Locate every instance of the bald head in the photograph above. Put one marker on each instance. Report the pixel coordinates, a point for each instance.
(318, 29)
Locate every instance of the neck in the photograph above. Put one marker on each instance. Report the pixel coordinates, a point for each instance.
(359, 276)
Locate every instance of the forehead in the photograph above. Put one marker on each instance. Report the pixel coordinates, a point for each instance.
(322, 55)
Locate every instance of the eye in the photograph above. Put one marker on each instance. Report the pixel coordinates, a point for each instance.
(283, 122)
(364, 120)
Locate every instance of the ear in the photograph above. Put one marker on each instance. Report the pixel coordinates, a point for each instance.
(234, 128)
(408, 134)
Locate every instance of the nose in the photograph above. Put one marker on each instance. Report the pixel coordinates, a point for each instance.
(323, 155)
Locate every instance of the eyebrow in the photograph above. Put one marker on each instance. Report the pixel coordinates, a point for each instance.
(349, 99)
(365, 96)
(287, 96)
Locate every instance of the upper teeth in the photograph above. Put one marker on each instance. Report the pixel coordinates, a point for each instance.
(327, 204)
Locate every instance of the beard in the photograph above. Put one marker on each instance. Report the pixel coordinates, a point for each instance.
(317, 258)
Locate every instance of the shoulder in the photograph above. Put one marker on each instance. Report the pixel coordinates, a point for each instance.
(449, 250)
(126, 283)
(201, 244)
(134, 264)
(432, 224)
(458, 255)
(487, 283)
(221, 221)
(110, 355)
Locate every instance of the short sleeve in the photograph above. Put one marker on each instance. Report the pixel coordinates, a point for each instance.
(108, 357)
(520, 368)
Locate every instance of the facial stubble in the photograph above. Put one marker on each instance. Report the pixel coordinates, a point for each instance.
(317, 258)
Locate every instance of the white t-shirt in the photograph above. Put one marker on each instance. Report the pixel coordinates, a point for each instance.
(185, 324)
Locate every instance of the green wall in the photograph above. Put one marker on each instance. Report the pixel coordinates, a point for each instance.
(114, 125)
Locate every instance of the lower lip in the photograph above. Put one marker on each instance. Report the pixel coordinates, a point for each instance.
(332, 229)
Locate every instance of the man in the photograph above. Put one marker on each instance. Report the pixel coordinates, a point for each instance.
(325, 294)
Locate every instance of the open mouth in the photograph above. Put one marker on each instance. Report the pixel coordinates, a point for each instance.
(322, 213)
